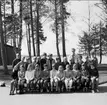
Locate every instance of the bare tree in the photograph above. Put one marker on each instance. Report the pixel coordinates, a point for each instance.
(63, 28)
(32, 29)
(2, 44)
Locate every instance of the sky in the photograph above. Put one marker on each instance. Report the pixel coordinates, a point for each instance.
(79, 11)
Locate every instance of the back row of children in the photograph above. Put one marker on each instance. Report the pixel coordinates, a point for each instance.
(49, 74)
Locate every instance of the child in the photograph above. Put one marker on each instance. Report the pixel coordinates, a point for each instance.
(29, 76)
(53, 73)
(76, 77)
(68, 78)
(85, 79)
(21, 79)
(94, 78)
(59, 79)
(37, 77)
(45, 78)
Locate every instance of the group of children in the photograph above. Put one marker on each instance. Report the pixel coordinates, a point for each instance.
(47, 75)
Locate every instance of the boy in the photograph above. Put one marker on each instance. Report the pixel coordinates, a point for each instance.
(37, 77)
(85, 78)
(45, 78)
(94, 78)
(76, 77)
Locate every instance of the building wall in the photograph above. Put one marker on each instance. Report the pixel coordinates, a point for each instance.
(10, 54)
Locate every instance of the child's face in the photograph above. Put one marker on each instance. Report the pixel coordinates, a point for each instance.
(46, 67)
(74, 67)
(67, 67)
(37, 67)
(53, 67)
(83, 67)
(60, 68)
(21, 68)
(92, 67)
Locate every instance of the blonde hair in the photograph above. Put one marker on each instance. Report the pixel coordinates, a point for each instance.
(30, 67)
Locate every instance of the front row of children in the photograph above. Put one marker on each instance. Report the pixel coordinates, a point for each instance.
(55, 80)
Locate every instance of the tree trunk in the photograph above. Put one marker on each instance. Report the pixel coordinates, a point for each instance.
(2, 45)
(20, 37)
(56, 30)
(37, 29)
(4, 22)
(14, 37)
(63, 29)
(100, 44)
(5, 41)
(29, 42)
(32, 29)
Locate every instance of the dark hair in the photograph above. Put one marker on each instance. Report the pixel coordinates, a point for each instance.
(45, 65)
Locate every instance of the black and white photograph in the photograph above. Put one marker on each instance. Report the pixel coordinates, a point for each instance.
(53, 52)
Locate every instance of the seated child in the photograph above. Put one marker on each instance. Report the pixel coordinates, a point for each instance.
(94, 78)
(37, 77)
(76, 77)
(21, 79)
(68, 78)
(85, 78)
(53, 73)
(59, 79)
(29, 76)
(45, 78)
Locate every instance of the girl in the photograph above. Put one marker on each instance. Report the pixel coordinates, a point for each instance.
(21, 79)
(29, 76)
(68, 78)
(53, 73)
(59, 79)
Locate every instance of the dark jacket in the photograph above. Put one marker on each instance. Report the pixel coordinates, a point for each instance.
(64, 64)
(15, 61)
(94, 72)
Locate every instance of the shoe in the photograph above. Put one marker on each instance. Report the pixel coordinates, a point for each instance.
(11, 93)
(97, 91)
(93, 91)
